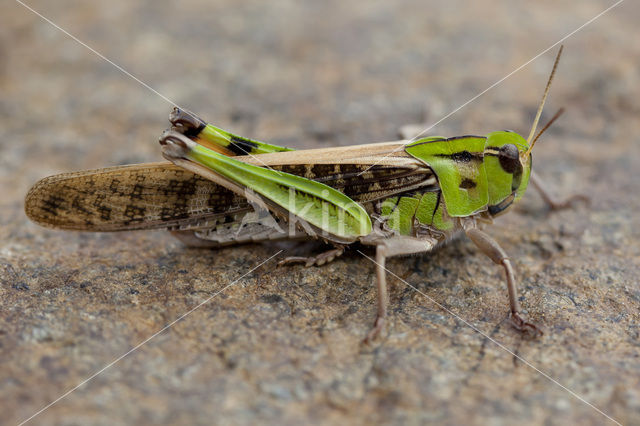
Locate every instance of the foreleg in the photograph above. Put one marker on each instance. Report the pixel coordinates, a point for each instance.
(493, 250)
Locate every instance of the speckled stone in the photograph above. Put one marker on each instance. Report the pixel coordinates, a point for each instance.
(283, 345)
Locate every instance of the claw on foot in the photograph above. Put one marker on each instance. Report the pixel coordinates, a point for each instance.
(378, 325)
(525, 327)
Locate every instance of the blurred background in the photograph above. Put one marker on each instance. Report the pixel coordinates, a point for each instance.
(283, 345)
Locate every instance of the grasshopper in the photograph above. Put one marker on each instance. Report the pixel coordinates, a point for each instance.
(220, 189)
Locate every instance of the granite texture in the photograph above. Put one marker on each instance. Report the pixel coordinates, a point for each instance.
(283, 345)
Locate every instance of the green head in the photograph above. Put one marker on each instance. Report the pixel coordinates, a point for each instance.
(477, 173)
(508, 165)
(508, 158)
(482, 173)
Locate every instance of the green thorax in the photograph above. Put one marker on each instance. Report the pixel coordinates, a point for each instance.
(476, 173)
(422, 208)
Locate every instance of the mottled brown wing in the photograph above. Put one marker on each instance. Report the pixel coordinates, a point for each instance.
(162, 195)
(138, 196)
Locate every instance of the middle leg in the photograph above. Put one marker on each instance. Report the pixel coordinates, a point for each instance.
(397, 246)
(317, 260)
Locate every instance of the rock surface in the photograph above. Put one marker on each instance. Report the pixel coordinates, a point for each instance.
(283, 345)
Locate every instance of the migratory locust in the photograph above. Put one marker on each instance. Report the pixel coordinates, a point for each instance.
(220, 189)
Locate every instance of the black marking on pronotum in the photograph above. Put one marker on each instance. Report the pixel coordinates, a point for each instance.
(467, 184)
(462, 156)
(241, 146)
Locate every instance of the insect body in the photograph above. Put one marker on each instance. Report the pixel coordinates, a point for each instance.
(400, 197)
(429, 191)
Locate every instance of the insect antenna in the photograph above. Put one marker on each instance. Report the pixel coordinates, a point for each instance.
(530, 139)
(549, 123)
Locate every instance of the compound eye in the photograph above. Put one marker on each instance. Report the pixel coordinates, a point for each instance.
(509, 158)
